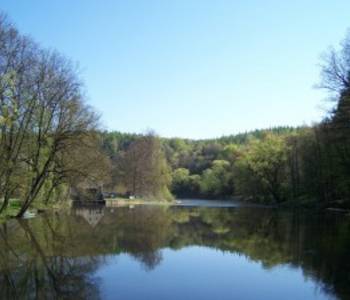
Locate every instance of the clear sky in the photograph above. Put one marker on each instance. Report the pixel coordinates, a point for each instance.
(192, 68)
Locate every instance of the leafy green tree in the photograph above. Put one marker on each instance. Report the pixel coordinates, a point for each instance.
(217, 180)
(43, 117)
(181, 182)
(265, 160)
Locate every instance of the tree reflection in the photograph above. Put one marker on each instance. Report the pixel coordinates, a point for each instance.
(56, 256)
(31, 272)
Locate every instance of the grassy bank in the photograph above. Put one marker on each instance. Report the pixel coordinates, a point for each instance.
(37, 207)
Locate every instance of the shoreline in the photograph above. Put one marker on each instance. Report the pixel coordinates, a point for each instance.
(122, 202)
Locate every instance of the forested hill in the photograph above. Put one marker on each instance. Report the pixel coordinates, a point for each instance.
(122, 139)
(277, 165)
(118, 140)
(242, 138)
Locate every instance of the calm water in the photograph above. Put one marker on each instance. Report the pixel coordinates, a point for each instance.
(181, 252)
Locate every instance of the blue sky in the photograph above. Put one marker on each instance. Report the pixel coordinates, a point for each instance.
(192, 68)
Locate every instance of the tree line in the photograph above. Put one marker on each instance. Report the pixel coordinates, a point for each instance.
(51, 143)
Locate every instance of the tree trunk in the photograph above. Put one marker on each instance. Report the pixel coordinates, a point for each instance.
(5, 203)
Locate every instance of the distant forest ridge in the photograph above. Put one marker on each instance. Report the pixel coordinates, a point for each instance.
(236, 138)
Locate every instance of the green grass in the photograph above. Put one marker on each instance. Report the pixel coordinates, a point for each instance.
(15, 205)
(10, 212)
(61, 205)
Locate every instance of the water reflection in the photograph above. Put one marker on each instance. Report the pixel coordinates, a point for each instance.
(57, 256)
(33, 264)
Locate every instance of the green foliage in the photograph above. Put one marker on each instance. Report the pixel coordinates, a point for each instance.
(44, 121)
(141, 168)
(217, 181)
(265, 160)
(269, 166)
(184, 184)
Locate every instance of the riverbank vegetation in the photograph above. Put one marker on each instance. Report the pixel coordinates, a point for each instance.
(51, 144)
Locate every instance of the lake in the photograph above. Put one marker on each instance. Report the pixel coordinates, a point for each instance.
(181, 252)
